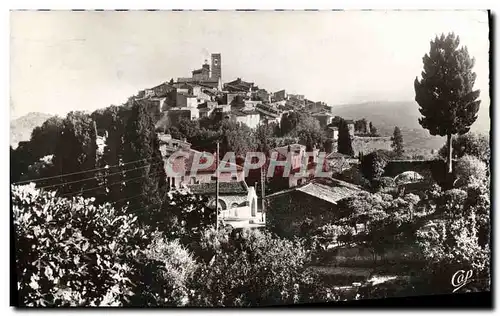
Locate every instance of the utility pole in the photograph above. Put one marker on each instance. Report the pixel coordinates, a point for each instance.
(217, 188)
(262, 186)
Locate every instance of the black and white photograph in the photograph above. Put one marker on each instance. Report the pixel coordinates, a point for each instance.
(249, 158)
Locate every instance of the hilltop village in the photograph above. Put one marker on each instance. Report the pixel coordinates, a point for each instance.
(204, 95)
(137, 205)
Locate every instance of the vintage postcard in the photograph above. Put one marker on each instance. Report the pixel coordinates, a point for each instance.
(248, 158)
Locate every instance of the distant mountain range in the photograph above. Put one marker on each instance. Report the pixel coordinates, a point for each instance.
(386, 115)
(21, 128)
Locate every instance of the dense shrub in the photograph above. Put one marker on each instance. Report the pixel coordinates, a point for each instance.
(165, 268)
(253, 268)
(452, 241)
(470, 170)
(383, 183)
(69, 252)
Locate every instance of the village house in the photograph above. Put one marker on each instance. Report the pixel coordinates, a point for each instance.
(333, 133)
(169, 145)
(207, 108)
(279, 96)
(296, 152)
(250, 118)
(316, 107)
(268, 114)
(300, 210)
(181, 170)
(237, 201)
(239, 86)
(324, 118)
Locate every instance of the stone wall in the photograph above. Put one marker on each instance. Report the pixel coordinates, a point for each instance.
(367, 145)
(427, 168)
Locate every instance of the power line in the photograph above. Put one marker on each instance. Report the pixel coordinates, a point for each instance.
(110, 185)
(94, 178)
(79, 172)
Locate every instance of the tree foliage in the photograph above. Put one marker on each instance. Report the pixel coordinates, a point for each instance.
(372, 165)
(397, 142)
(310, 133)
(69, 252)
(345, 140)
(473, 144)
(445, 94)
(451, 242)
(253, 268)
(145, 178)
(75, 152)
(44, 138)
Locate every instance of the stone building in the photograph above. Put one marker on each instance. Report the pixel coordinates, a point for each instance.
(182, 170)
(300, 210)
(250, 118)
(205, 77)
(236, 199)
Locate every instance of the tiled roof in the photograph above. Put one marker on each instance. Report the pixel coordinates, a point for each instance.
(225, 188)
(183, 165)
(336, 155)
(284, 149)
(244, 112)
(326, 189)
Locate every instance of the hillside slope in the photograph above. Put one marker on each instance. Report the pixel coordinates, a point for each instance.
(386, 115)
(21, 128)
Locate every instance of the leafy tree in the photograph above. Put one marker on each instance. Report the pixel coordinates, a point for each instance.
(474, 144)
(189, 129)
(360, 126)
(164, 268)
(171, 82)
(70, 252)
(310, 133)
(445, 94)
(75, 152)
(470, 170)
(145, 178)
(288, 122)
(373, 130)
(21, 159)
(253, 268)
(264, 133)
(237, 138)
(336, 120)
(344, 141)
(397, 142)
(450, 242)
(44, 138)
(372, 165)
(185, 216)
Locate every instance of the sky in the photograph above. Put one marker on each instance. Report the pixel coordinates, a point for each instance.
(63, 61)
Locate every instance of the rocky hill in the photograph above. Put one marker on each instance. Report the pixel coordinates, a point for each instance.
(21, 128)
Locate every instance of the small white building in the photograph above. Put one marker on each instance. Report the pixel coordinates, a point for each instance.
(249, 118)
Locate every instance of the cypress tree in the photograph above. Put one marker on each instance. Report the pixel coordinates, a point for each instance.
(445, 94)
(397, 142)
(344, 141)
(145, 179)
(76, 151)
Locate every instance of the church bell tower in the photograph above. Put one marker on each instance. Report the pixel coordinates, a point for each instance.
(216, 67)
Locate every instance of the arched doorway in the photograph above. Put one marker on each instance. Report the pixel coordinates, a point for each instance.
(253, 208)
(222, 204)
